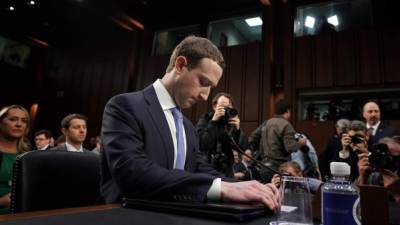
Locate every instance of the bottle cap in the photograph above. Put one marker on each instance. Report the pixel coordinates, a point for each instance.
(340, 169)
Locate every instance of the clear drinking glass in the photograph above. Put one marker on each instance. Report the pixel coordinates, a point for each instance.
(296, 201)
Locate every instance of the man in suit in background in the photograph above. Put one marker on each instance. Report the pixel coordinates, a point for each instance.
(43, 139)
(74, 129)
(151, 151)
(377, 129)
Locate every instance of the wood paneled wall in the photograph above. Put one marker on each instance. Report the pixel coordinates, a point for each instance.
(82, 80)
(350, 59)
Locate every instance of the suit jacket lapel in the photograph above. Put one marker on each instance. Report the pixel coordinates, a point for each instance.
(157, 115)
(189, 144)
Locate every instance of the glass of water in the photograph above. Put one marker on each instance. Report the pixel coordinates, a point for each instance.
(296, 206)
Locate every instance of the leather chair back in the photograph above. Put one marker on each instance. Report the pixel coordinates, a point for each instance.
(53, 179)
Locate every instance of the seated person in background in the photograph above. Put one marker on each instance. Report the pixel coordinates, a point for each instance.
(151, 151)
(333, 147)
(59, 141)
(42, 139)
(239, 169)
(74, 130)
(97, 142)
(352, 140)
(307, 158)
(381, 169)
(251, 168)
(215, 130)
(293, 169)
(14, 126)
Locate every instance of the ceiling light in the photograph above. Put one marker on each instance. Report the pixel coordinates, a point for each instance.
(310, 21)
(11, 8)
(31, 2)
(333, 20)
(255, 21)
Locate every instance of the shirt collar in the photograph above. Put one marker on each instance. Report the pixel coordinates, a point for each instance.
(374, 126)
(163, 96)
(44, 148)
(71, 148)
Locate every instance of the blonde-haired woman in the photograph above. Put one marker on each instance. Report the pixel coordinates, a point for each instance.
(14, 126)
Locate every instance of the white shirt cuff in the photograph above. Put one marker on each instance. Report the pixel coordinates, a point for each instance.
(214, 193)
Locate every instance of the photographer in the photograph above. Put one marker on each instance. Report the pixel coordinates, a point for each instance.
(275, 139)
(215, 130)
(354, 140)
(380, 165)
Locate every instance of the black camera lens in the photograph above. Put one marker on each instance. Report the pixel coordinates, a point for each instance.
(379, 156)
(356, 139)
(230, 112)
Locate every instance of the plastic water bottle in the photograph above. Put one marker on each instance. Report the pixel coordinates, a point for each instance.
(340, 198)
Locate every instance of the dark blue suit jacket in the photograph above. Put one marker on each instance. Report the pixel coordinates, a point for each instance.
(384, 130)
(138, 153)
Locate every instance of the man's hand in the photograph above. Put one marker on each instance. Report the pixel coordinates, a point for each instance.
(302, 141)
(219, 112)
(364, 168)
(392, 182)
(5, 200)
(235, 121)
(251, 192)
(276, 180)
(346, 140)
(239, 175)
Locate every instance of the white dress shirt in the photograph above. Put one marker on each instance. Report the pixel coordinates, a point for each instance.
(71, 148)
(374, 127)
(167, 103)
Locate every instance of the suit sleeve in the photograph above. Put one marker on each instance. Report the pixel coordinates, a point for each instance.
(135, 174)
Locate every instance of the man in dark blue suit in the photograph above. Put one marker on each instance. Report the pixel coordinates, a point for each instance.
(377, 129)
(145, 152)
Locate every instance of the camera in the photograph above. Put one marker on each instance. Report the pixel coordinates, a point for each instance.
(380, 157)
(356, 139)
(229, 113)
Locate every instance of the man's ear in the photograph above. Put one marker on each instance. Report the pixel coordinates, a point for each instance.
(180, 62)
(64, 131)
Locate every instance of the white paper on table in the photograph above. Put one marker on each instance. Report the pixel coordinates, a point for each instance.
(288, 208)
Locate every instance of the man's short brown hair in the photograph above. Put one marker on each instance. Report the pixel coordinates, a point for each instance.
(194, 49)
(66, 121)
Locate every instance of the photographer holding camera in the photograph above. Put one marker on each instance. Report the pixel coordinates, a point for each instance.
(215, 130)
(380, 165)
(354, 140)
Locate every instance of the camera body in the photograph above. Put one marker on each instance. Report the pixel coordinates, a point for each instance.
(380, 156)
(229, 113)
(357, 140)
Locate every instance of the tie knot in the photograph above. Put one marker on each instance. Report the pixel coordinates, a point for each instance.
(371, 131)
(176, 113)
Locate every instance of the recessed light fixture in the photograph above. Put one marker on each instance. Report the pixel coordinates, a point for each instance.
(31, 2)
(333, 20)
(11, 8)
(255, 21)
(310, 21)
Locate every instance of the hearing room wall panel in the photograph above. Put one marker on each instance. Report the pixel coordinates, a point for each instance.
(391, 53)
(251, 83)
(236, 72)
(323, 60)
(346, 70)
(304, 67)
(369, 57)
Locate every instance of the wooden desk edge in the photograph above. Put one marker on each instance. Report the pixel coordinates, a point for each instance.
(53, 212)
